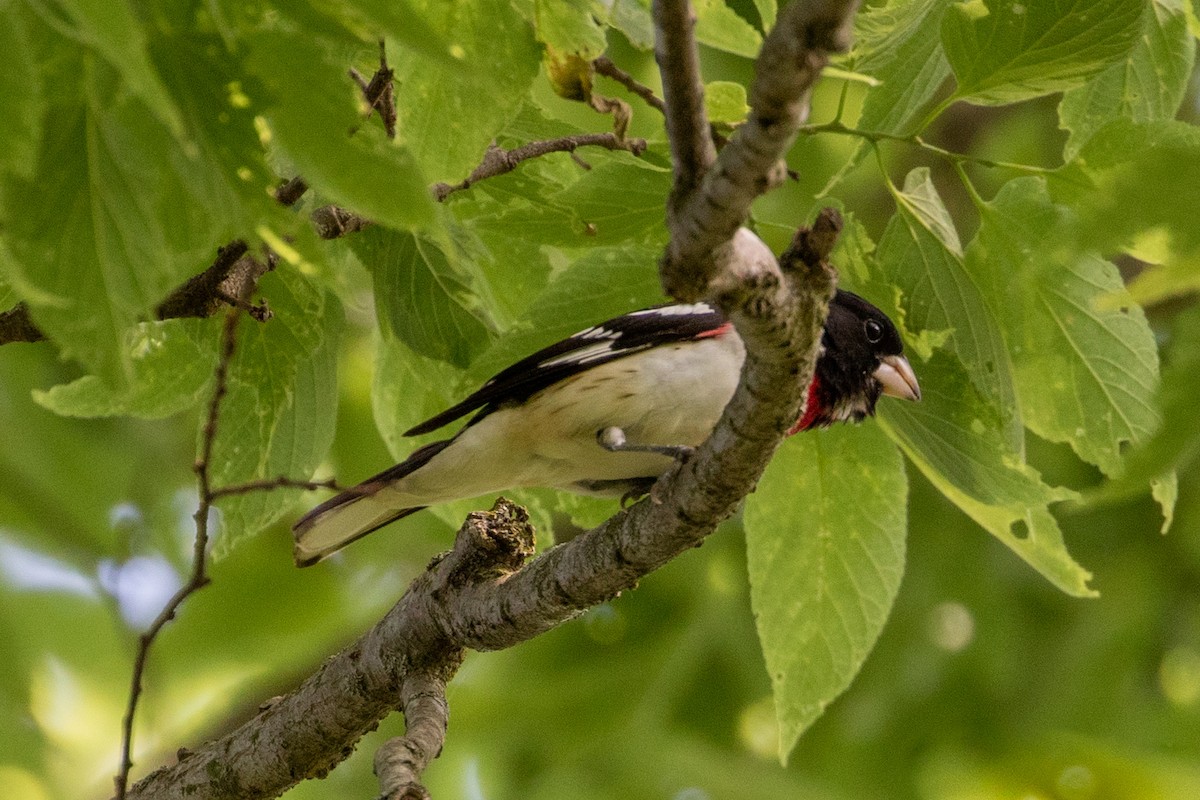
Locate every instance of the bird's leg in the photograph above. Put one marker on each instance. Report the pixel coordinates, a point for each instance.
(612, 439)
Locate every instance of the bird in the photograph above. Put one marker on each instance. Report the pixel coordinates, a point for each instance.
(606, 411)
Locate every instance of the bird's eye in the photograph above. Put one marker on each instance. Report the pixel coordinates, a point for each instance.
(874, 331)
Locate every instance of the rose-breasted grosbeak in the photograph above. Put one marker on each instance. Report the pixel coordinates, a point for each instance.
(606, 410)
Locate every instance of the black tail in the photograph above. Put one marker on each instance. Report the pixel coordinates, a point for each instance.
(353, 514)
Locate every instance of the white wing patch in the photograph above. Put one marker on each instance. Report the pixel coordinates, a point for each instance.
(679, 310)
(583, 355)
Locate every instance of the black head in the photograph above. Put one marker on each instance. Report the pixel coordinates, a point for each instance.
(862, 358)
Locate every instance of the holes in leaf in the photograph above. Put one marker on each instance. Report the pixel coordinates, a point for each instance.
(1020, 529)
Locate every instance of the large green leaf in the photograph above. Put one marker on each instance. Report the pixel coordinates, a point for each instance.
(632, 18)
(1149, 84)
(1176, 443)
(634, 214)
(1005, 51)
(954, 436)
(1135, 186)
(1086, 369)
(209, 87)
(111, 28)
(925, 261)
(605, 282)
(409, 388)
(395, 19)
(569, 28)
(134, 216)
(277, 417)
(426, 294)
(825, 550)
(447, 117)
(899, 44)
(965, 435)
(172, 364)
(313, 110)
(720, 27)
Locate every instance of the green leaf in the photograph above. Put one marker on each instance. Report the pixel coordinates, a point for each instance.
(767, 10)
(442, 116)
(172, 365)
(1176, 443)
(1135, 186)
(313, 110)
(632, 18)
(424, 294)
(110, 27)
(210, 88)
(635, 213)
(21, 102)
(569, 28)
(725, 101)
(134, 216)
(1005, 51)
(395, 19)
(966, 434)
(921, 246)
(954, 436)
(1086, 370)
(409, 388)
(1148, 85)
(824, 571)
(899, 44)
(720, 27)
(277, 417)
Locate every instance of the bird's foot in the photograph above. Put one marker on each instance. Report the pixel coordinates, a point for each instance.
(613, 439)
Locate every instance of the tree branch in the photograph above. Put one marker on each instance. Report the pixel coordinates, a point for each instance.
(400, 760)
(678, 56)
(605, 66)
(267, 484)
(230, 280)
(398, 662)
(792, 56)
(479, 595)
(498, 161)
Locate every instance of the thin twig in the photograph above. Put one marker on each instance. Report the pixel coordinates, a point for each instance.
(267, 484)
(199, 575)
(498, 160)
(379, 92)
(605, 66)
(915, 140)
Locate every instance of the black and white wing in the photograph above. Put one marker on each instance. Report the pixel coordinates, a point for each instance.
(618, 337)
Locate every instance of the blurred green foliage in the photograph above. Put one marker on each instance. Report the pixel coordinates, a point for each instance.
(137, 140)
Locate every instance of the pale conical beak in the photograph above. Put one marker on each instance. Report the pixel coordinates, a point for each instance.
(898, 378)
